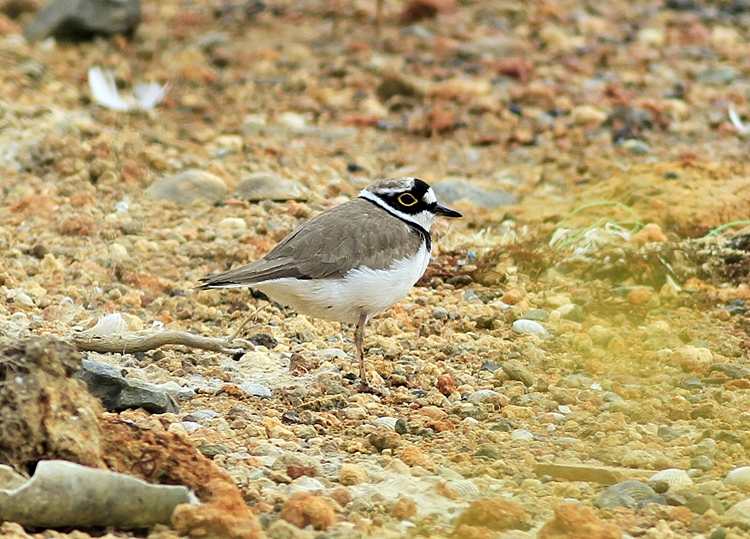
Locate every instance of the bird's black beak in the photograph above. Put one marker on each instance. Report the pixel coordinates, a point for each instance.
(446, 212)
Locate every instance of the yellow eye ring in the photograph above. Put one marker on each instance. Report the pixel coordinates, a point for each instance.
(407, 199)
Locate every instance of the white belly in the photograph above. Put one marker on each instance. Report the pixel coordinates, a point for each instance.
(362, 290)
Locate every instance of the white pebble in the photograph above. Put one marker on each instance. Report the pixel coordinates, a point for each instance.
(232, 223)
(529, 327)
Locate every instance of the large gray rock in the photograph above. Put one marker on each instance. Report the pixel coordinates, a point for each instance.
(83, 19)
(117, 393)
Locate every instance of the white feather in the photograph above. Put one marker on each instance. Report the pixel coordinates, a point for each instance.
(146, 95)
(104, 89)
(362, 290)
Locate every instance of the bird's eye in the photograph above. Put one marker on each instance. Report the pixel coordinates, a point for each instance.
(407, 199)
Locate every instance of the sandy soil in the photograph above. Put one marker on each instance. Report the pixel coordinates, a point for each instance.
(608, 121)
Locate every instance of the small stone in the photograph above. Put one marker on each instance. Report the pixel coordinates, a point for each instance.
(703, 502)
(352, 474)
(573, 521)
(651, 233)
(341, 496)
(490, 366)
(511, 297)
(414, 456)
(739, 477)
(639, 296)
(281, 433)
(293, 121)
(497, 514)
(528, 327)
(540, 315)
(517, 371)
(702, 462)
(488, 396)
(281, 529)
(232, 223)
(636, 147)
(446, 385)
(586, 114)
(404, 509)
(188, 186)
(521, 434)
(23, 299)
(439, 313)
(264, 186)
(738, 515)
(263, 339)
(383, 439)
(302, 510)
(571, 311)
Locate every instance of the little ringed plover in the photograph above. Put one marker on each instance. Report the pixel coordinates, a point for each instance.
(352, 261)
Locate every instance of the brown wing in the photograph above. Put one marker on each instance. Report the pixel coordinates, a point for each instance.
(329, 245)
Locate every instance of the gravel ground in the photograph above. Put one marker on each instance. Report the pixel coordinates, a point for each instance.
(581, 327)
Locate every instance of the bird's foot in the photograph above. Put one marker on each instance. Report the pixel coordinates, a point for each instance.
(364, 387)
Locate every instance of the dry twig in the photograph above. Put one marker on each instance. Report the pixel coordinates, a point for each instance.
(130, 344)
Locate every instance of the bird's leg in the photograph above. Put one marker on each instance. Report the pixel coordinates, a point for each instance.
(359, 339)
(247, 319)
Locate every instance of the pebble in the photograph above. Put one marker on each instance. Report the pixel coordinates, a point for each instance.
(440, 313)
(302, 510)
(636, 147)
(496, 514)
(256, 390)
(624, 494)
(517, 371)
(702, 462)
(540, 315)
(188, 186)
(738, 515)
(232, 223)
(293, 121)
(528, 327)
(586, 114)
(264, 186)
(511, 297)
(574, 521)
(521, 434)
(485, 395)
(383, 439)
(571, 311)
(703, 502)
(352, 474)
(739, 477)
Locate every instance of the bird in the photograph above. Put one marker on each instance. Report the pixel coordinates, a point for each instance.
(350, 262)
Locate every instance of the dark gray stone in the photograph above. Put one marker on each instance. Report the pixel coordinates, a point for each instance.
(117, 393)
(84, 19)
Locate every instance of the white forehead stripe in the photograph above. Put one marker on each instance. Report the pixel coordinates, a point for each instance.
(429, 197)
